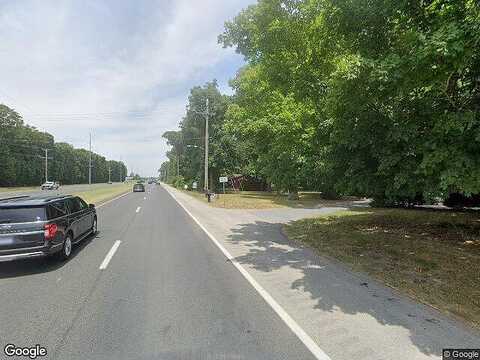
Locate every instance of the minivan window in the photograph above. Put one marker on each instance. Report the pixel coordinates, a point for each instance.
(83, 204)
(21, 214)
(73, 204)
(56, 210)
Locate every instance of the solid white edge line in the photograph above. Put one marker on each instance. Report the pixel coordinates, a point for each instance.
(109, 255)
(287, 319)
(138, 209)
(109, 201)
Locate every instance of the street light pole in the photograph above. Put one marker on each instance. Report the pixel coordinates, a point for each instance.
(206, 147)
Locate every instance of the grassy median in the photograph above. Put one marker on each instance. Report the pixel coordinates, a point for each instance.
(266, 200)
(19, 188)
(432, 256)
(97, 195)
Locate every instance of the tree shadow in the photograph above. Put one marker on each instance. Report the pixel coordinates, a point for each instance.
(306, 201)
(32, 266)
(334, 288)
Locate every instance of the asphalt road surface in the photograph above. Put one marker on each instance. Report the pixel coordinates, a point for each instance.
(166, 293)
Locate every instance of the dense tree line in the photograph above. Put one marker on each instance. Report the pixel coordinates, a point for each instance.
(22, 157)
(186, 157)
(374, 98)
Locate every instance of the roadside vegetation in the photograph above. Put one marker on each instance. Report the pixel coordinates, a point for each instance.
(433, 256)
(267, 200)
(22, 148)
(21, 188)
(97, 195)
(378, 99)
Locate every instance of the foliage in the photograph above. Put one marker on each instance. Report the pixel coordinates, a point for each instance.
(377, 98)
(22, 148)
(179, 182)
(186, 156)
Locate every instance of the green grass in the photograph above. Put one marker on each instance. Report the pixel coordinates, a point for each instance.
(101, 194)
(21, 188)
(432, 256)
(265, 200)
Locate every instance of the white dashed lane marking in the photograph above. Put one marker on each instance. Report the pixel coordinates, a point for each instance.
(110, 254)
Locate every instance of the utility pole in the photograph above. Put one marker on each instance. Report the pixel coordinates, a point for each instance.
(120, 171)
(206, 147)
(178, 165)
(109, 174)
(90, 161)
(46, 163)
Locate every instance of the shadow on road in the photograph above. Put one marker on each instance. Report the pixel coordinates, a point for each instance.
(337, 290)
(25, 267)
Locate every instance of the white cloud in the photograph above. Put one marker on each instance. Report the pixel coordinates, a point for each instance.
(121, 69)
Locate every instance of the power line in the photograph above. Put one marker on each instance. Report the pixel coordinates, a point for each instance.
(99, 114)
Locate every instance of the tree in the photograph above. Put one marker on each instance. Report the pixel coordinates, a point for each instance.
(186, 156)
(22, 156)
(394, 87)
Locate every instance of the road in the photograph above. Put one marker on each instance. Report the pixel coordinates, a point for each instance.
(167, 293)
(64, 189)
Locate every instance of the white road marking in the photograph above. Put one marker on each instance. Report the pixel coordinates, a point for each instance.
(138, 209)
(110, 254)
(109, 201)
(287, 319)
(144, 198)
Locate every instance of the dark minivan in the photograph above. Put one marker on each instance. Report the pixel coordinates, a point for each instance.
(138, 187)
(32, 226)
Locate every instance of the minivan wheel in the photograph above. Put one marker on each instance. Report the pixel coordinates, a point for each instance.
(66, 251)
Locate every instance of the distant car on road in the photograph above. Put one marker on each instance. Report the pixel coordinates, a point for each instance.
(34, 226)
(50, 185)
(138, 188)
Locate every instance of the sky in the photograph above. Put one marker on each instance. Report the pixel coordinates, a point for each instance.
(118, 69)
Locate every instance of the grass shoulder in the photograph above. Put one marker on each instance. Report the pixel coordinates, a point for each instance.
(19, 189)
(266, 200)
(97, 195)
(433, 256)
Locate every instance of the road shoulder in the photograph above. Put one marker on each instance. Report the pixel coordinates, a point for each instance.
(348, 315)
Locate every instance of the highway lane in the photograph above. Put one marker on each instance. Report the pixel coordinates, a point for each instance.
(167, 293)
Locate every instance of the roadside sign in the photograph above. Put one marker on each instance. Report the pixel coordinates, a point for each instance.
(223, 179)
(194, 185)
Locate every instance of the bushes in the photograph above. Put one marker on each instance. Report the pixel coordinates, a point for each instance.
(179, 182)
(457, 200)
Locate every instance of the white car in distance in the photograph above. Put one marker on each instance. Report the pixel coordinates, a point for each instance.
(50, 185)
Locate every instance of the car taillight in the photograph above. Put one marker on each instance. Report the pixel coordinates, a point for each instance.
(50, 231)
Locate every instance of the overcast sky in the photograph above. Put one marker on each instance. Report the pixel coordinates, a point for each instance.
(121, 69)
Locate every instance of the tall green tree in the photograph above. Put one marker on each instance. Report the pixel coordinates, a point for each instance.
(22, 156)
(187, 153)
(394, 86)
